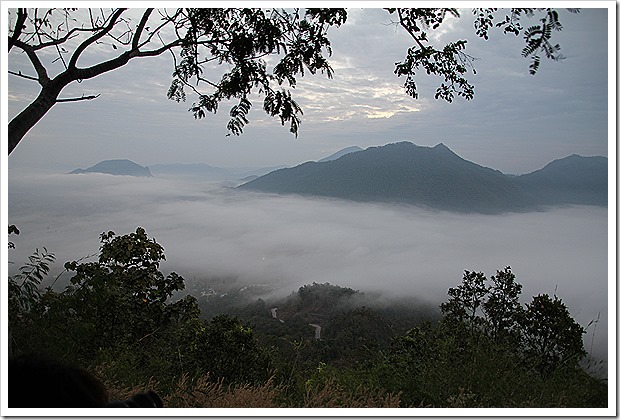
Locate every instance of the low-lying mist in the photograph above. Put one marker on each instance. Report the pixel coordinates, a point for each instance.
(209, 231)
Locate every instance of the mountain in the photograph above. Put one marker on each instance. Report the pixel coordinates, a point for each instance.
(341, 153)
(116, 167)
(435, 177)
(572, 180)
(403, 172)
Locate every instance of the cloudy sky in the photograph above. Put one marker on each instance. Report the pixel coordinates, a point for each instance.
(516, 123)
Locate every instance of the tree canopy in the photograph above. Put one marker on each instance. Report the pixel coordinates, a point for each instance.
(223, 54)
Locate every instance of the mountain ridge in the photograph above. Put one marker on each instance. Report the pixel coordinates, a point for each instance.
(433, 177)
(340, 153)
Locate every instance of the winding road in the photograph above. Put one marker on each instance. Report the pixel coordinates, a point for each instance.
(317, 328)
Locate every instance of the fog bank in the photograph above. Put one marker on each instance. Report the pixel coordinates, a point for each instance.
(211, 231)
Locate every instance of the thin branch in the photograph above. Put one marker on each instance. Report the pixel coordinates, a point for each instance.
(61, 57)
(157, 30)
(80, 49)
(19, 26)
(82, 98)
(157, 51)
(19, 73)
(59, 41)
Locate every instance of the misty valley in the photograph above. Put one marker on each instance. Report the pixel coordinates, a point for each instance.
(313, 286)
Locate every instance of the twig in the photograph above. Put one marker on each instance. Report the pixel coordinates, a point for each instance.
(19, 73)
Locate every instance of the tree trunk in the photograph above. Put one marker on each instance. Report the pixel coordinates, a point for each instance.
(25, 120)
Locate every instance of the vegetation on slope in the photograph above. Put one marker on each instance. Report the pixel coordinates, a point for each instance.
(123, 320)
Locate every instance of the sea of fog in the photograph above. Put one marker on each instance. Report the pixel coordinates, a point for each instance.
(211, 230)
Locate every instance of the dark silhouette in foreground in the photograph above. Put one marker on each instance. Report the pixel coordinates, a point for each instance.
(36, 382)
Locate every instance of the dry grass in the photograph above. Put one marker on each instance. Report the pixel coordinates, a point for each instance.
(117, 392)
(202, 392)
(205, 394)
(332, 395)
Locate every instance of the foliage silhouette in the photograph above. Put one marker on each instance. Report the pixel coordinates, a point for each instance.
(236, 42)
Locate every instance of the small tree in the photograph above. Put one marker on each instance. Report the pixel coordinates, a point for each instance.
(502, 307)
(123, 295)
(550, 336)
(226, 350)
(24, 292)
(466, 300)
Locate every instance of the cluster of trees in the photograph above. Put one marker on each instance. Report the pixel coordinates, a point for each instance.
(122, 318)
(118, 312)
(542, 332)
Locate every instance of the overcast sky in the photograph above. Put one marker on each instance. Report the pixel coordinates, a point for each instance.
(516, 123)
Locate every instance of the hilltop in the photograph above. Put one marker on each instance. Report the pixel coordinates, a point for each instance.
(116, 167)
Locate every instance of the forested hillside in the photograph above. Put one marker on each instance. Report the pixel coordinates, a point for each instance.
(322, 346)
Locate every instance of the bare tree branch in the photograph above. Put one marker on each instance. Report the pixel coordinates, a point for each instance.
(19, 73)
(63, 39)
(157, 51)
(80, 49)
(43, 78)
(82, 98)
(19, 26)
(156, 31)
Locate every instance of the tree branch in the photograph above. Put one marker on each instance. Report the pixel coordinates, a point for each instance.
(82, 98)
(80, 49)
(96, 70)
(140, 28)
(43, 78)
(59, 41)
(19, 26)
(156, 31)
(408, 29)
(157, 51)
(19, 73)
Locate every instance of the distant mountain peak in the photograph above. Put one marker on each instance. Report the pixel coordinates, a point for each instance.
(116, 167)
(341, 153)
(442, 148)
